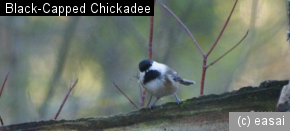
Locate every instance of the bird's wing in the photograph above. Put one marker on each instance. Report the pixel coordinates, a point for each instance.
(186, 82)
(179, 79)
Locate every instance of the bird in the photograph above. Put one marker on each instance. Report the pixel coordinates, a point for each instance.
(160, 80)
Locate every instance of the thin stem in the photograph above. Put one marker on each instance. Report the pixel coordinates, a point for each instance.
(150, 52)
(3, 84)
(125, 95)
(203, 75)
(229, 50)
(288, 15)
(1, 121)
(143, 98)
(151, 36)
(141, 102)
(187, 30)
(2, 88)
(223, 29)
(72, 85)
(149, 101)
(62, 56)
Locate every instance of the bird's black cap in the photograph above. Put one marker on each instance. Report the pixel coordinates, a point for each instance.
(145, 65)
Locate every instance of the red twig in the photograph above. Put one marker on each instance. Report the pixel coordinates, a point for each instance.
(1, 121)
(143, 96)
(141, 102)
(187, 30)
(149, 101)
(205, 56)
(288, 15)
(203, 75)
(223, 29)
(2, 88)
(3, 84)
(228, 50)
(72, 85)
(151, 34)
(150, 53)
(125, 95)
(211, 49)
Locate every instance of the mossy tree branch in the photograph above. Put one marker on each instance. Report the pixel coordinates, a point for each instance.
(204, 113)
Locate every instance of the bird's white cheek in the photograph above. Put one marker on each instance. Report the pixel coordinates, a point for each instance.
(158, 66)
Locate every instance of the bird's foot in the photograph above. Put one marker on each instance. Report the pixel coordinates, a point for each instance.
(152, 106)
(178, 101)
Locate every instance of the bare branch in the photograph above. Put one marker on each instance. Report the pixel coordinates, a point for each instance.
(141, 102)
(3, 84)
(187, 30)
(142, 94)
(223, 29)
(143, 97)
(72, 85)
(150, 53)
(1, 121)
(151, 34)
(149, 101)
(288, 15)
(60, 63)
(229, 50)
(125, 95)
(2, 88)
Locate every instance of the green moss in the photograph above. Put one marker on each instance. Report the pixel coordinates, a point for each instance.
(212, 108)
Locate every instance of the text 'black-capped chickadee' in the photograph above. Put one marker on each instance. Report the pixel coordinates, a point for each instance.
(160, 80)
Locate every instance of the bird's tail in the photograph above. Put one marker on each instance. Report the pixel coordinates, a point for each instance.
(185, 82)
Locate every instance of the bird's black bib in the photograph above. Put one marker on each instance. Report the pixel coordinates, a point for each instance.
(151, 75)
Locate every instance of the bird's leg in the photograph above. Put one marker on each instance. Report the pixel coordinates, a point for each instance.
(177, 99)
(153, 104)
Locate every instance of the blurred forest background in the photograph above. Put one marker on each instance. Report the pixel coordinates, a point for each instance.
(44, 53)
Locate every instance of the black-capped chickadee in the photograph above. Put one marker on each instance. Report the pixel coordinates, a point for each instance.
(160, 80)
